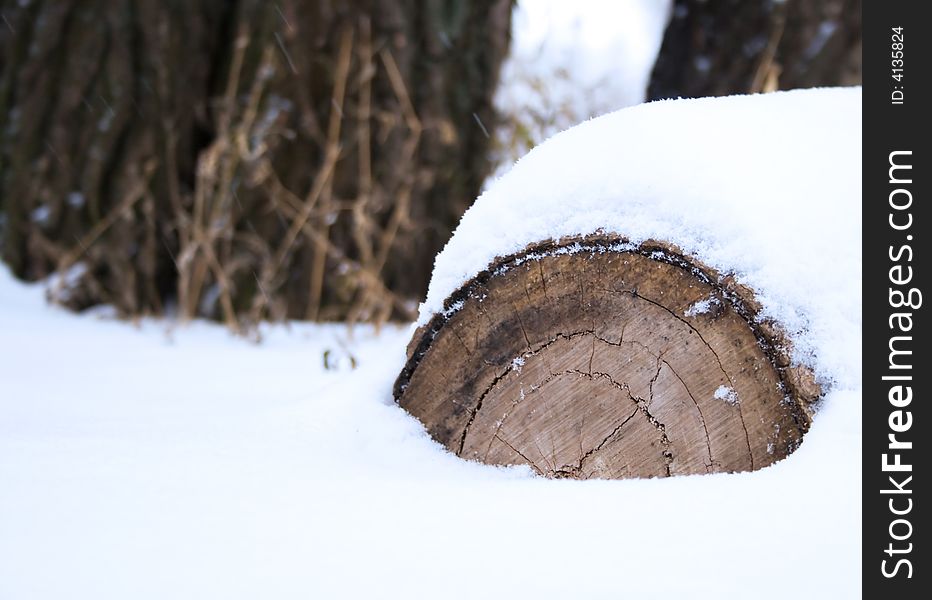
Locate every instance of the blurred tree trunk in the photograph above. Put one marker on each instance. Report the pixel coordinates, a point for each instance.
(745, 46)
(243, 160)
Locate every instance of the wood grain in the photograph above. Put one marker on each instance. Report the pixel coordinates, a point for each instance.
(595, 358)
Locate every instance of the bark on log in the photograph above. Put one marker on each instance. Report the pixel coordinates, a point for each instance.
(597, 358)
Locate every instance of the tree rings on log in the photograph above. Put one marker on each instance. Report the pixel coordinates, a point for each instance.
(598, 358)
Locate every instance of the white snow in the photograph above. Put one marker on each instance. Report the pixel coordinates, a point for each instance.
(767, 187)
(701, 307)
(75, 199)
(729, 395)
(453, 308)
(41, 214)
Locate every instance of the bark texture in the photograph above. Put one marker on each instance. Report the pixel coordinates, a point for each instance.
(600, 359)
(244, 159)
(746, 46)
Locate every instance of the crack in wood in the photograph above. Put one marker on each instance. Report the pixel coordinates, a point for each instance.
(575, 470)
(643, 405)
(518, 452)
(717, 360)
(508, 369)
(521, 324)
(708, 438)
(571, 288)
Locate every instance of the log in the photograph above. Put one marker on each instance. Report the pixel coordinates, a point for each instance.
(598, 358)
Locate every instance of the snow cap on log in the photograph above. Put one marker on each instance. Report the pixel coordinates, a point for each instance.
(592, 315)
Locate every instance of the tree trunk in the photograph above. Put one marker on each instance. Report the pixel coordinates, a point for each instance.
(747, 46)
(595, 358)
(246, 159)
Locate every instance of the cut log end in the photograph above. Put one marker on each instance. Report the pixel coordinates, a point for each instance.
(597, 358)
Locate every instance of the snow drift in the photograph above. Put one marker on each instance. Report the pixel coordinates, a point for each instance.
(765, 187)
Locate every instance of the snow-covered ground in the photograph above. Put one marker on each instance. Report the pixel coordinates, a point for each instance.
(158, 461)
